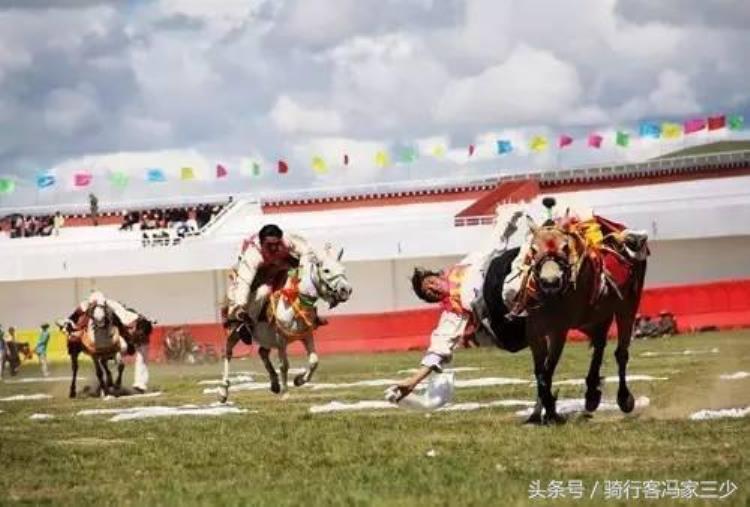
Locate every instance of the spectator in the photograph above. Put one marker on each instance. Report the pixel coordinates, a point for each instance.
(57, 223)
(11, 351)
(46, 224)
(94, 208)
(667, 324)
(41, 348)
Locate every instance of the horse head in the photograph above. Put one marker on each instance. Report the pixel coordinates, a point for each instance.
(553, 257)
(330, 277)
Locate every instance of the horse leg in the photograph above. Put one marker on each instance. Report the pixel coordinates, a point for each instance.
(557, 343)
(232, 338)
(264, 354)
(312, 362)
(108, 375)
(538, 344)
(598, 337)
(284, 368)
(99, 376)
(120, 370)
(74, 353)
(625, 399)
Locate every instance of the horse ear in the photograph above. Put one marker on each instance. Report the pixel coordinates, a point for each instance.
(532, 224)
(340, 255)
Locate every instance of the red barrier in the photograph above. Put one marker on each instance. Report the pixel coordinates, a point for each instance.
(722, 304)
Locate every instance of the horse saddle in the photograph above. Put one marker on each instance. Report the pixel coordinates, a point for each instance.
(490, 310)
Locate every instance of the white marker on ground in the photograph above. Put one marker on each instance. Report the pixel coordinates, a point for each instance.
(735, 376)
(41, 417)
(130, 413)
(343, 406)
(26, 397)
(704, 415)
(29, 380)
(575, 405)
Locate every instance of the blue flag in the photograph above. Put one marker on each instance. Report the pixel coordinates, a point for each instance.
(155, 175)
(45, 180)
(504, 146)
(650, 129)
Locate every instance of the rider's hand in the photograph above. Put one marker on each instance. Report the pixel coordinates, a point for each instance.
(321, 321)
(396, 393)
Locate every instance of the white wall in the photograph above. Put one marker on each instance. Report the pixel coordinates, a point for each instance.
(379, 286)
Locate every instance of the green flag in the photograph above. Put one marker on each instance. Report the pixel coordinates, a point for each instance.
(623, 139)
(7, 186)
(408, 155)
(736, 122)
(119, 179)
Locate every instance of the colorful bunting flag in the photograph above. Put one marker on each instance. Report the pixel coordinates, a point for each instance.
(694, 125)
(283, 167)
(649, 129)
(45, 180)
(538, 143)
(504, 146)
(595, 141)
(408, 155)
(717, 122)
(155, 175)
(565, 141)
(622, 139)
(346, 159)
(736, 122)
(256, 168)
(382, 159)
(187, 173)
(438, 151)
(319, 165)
(82, 179)
(221, 171)
(471, 149)
(671, 130)
(7, 186)
(118, 179)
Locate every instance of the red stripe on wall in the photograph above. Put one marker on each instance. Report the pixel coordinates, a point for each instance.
(725, 305)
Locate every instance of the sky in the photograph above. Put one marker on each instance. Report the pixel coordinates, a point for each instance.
(101, 86)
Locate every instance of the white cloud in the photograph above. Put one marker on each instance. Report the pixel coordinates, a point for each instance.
(673, 95)
(292, 118)
(531, 86)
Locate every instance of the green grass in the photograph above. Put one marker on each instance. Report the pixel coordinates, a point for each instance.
(283, 455)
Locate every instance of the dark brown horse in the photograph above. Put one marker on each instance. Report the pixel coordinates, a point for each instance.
(581, 276)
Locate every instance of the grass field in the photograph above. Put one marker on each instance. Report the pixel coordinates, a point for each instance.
(280, 454)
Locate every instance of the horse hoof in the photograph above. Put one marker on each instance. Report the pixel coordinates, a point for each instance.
(299, 380)
(554, 418)
(275, 387)
(626, 402)
(593, 398)
(535, 419)
(72, 394)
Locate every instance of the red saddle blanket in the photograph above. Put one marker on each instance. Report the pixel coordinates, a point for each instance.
(616, 267)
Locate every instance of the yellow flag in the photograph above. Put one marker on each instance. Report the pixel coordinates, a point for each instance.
(671, 130)
(319, 165)
(438, 151)
(538, 143)
(382, 159)
(187, 173)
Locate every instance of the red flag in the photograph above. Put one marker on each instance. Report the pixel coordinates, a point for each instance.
(717, 122)
(471, 149)
(221, 171)
(346, 159)
(283, 167)
(82, 179)
(565, 141)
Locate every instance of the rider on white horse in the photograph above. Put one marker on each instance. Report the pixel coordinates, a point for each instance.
(114, 318)
(262, 266)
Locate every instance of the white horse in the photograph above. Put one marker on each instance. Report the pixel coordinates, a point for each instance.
(290, 316)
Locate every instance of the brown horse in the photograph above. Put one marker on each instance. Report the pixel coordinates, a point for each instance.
(118, 340)
(581, 275)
